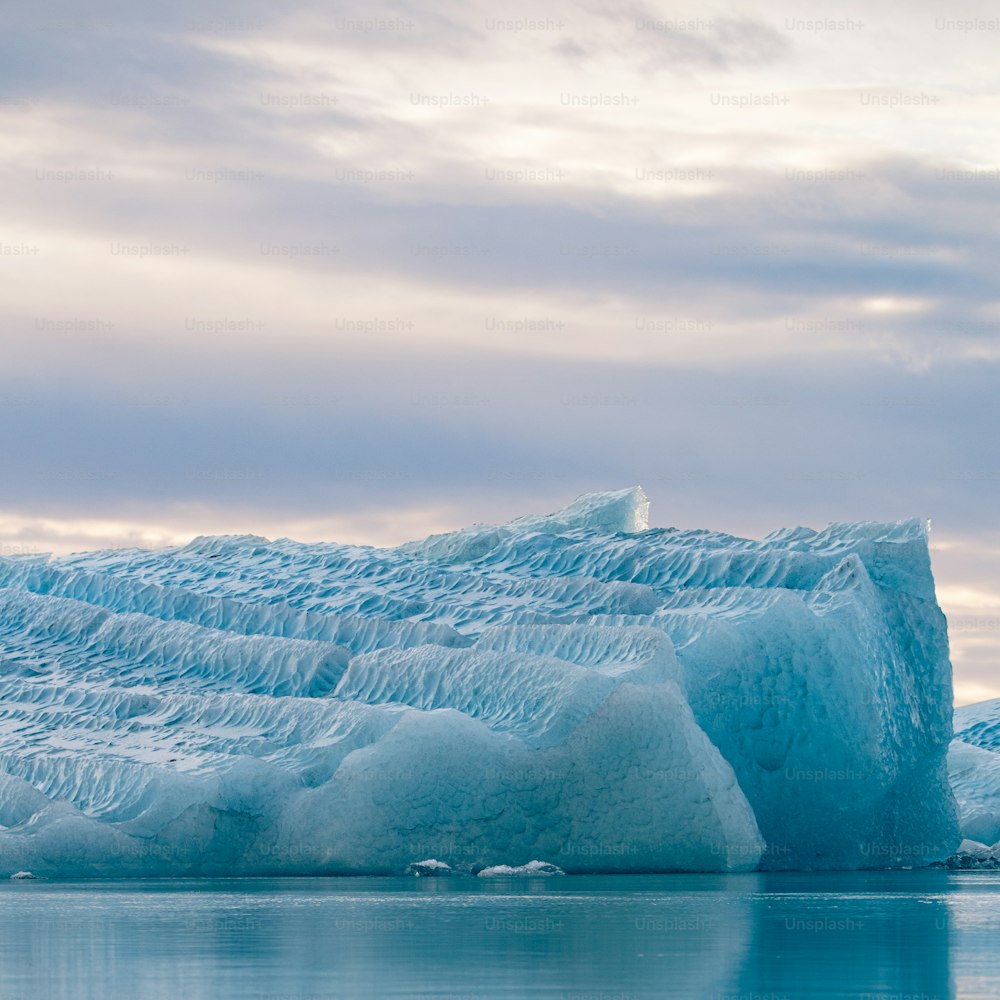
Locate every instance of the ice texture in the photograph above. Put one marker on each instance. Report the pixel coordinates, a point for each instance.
(574, 687)
(974, 766)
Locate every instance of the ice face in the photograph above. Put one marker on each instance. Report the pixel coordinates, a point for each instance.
(572, 687)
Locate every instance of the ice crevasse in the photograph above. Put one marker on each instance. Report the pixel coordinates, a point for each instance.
(576, 688)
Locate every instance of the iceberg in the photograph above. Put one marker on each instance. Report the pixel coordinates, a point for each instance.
(574, 687)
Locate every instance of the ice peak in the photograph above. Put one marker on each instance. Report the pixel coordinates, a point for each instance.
(616, 510)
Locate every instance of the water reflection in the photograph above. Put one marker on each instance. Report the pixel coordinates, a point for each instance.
(878, 936)
(873, 935)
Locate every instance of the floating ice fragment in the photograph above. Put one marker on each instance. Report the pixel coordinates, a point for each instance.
(531, 868)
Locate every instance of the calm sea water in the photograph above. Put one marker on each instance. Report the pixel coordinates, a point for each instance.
(876, 936)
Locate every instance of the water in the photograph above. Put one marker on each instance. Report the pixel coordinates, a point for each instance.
(871, 935)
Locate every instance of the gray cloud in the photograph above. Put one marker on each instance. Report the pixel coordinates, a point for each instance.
(764, 313)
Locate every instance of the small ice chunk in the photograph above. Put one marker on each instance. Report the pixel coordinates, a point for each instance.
(974, 848)
(429, 867)
(531, 868)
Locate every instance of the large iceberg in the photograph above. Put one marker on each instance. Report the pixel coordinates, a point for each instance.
(576, 689)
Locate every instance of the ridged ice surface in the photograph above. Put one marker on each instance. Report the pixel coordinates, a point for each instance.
(974, 766)
(574, 688)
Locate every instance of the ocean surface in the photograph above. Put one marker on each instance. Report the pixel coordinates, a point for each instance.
(905, 935)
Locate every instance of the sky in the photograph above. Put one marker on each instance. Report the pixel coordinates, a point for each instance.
(365, 272)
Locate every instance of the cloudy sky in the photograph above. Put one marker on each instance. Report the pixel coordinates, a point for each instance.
(365, 272)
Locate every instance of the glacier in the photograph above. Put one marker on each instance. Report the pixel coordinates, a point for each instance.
(576, 691)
